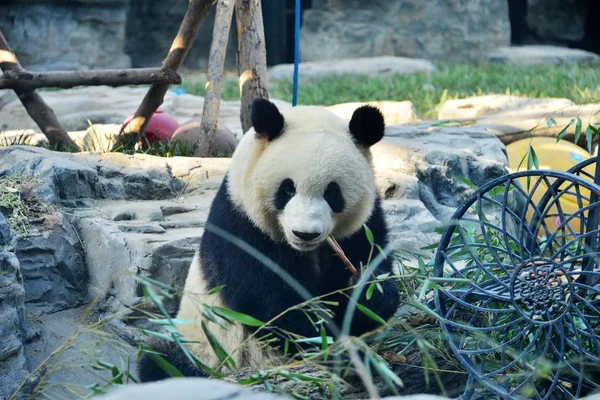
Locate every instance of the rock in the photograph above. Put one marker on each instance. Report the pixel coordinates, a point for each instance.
(557, 20)
(52, 265)
(394, 112)
(416, 170)
(417, 397)
(117, 251)
(190, 133)
(111, 106)
(479, 106)
(187, 389)
(374, 66)
(69, 178)
(449, 30)
(13, 331)
(513, 118)
(54, 35)
(539, 55)
(94, 341)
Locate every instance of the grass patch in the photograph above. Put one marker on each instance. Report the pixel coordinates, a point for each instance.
(577, 82)
(20, 209)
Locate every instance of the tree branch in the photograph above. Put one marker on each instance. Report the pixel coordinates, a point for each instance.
(216, 63)
(36, 107)
(251, 56)
(197, 12)
(28, 81)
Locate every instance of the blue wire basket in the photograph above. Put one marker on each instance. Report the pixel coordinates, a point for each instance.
(521, 285)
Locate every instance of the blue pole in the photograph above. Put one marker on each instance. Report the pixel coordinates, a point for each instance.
(296, 52)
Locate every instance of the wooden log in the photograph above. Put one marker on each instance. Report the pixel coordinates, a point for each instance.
(196, 13)
(36, 107)
(251, 56)
(216, 63)
(27, 80)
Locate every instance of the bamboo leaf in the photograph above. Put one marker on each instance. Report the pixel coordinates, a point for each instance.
(369, 234)
(563, 131)
(370, 291)
(220, 352)
(237, 316)
(467, 182)
(370, 314)
(577, 129)
(588, 137)
(174, 321)
(215, 289)
(166, 366)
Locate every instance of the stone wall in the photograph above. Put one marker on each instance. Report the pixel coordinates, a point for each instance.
(13, 334)
(67, 34)
(84, 34)
(450, 30)
(152, 26)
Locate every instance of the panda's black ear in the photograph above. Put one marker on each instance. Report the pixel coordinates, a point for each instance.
(367, 125)
(266, 119)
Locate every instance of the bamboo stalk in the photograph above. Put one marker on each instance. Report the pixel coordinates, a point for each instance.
(340, 253)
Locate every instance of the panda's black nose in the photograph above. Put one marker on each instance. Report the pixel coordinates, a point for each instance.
(308, 236)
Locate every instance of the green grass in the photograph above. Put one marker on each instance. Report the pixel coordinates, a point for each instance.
(578, 82)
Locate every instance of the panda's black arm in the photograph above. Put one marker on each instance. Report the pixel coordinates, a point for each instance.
(358, 249)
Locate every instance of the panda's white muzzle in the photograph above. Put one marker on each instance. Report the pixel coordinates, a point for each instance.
(306, 222)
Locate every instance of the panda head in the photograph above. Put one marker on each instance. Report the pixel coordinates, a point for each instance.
(303, 173)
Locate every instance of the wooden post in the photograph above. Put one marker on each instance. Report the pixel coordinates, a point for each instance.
(36, 107)
(216, 63)
(251, 56)
(197, 12)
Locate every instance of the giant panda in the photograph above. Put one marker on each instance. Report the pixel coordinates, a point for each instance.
(298, 176)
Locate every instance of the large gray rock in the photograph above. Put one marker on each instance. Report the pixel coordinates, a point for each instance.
(370, 66)
(187, 389)
(70, 179)
(59, 35)
(416, 169)
(394, 112)
(452, 30)
(539, 55)
(90, 340)
(206, 389)
(512, 118)
(13, 332)
(52, 265)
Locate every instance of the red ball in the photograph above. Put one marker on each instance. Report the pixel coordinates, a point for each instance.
(161, 127)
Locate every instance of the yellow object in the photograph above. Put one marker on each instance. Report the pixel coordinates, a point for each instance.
(558, 156)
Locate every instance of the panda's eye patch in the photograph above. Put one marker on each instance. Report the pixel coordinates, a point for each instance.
(333, 196)
(284, 194)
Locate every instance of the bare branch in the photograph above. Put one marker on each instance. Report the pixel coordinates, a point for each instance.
(251, 56)
(28, 81)
(36, 107)
(216, 63)
(197, 12)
